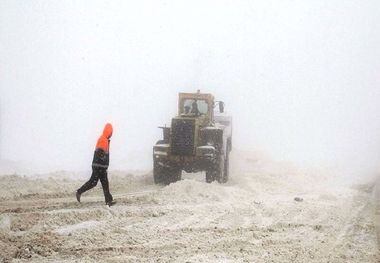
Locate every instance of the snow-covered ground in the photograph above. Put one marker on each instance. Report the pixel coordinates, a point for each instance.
(267, 212)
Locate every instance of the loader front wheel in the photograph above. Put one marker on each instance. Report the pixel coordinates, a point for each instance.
(157, 172)
(172, 175)
(164, 174)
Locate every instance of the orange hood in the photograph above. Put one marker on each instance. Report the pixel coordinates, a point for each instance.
(103, 142)
(107, 132)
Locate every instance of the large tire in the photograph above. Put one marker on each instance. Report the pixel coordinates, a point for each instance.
(226, 167)
(172, 175)
(215, 171)
(157, 172)
(164, 174)
(157, 168)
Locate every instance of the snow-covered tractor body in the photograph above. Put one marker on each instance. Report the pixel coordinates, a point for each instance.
(198, 140)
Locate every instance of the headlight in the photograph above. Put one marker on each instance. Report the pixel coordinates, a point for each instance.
(206, 151)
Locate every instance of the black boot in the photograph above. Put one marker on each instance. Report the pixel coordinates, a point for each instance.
(109, 200)
(78, 196)
(110, 203)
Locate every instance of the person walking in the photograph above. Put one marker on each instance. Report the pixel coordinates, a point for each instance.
(99, 166)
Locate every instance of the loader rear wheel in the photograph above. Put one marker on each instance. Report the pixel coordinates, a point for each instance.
(215, 171)
(226, 167)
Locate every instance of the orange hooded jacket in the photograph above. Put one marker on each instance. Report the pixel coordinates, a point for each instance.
(103, 141)
(101, 154)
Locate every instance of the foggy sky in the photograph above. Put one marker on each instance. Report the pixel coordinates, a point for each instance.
(301, 78)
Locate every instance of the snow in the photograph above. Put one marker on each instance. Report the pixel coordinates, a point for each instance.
(216, 127)
(5, 223)
(206, 147)
(165, 145)
(160, 153)
(252, 218)
(69, 229)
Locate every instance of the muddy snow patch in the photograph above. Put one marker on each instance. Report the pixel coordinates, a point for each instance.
(69, 229)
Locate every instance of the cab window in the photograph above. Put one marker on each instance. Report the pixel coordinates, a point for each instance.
(194, 107)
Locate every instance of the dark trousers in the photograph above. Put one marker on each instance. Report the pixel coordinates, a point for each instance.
(98, 173)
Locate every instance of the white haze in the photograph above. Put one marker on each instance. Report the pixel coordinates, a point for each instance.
(301, 78)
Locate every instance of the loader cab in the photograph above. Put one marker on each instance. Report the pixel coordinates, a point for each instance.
(196, 105)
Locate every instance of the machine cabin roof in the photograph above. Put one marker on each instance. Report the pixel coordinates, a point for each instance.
(200, 96)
